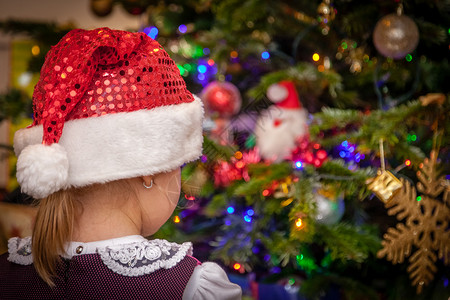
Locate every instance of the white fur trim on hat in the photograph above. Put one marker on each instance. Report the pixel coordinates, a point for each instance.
(114, 146)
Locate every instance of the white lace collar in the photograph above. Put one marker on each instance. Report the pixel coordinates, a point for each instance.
(79, 248)
(129, 256)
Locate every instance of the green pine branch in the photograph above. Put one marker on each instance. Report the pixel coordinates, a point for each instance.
(14, 104)
(306, 77)
(347, 242)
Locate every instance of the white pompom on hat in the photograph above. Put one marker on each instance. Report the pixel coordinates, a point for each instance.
(109, 105)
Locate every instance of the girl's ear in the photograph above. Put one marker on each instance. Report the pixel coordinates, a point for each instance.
(147, 180)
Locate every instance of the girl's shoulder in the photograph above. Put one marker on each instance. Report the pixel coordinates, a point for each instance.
(131, 258)
(144, 257)
(19, 251)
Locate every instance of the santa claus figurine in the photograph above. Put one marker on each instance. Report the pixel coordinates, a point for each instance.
(281, 125)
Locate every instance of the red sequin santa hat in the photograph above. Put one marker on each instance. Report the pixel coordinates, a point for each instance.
(109, 105)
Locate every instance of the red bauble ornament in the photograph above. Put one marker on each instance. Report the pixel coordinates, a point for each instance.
(222, 98)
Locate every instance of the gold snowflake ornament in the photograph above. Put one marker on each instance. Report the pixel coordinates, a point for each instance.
(424, 236)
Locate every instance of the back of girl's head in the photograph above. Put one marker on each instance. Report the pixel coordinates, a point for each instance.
(109, 105)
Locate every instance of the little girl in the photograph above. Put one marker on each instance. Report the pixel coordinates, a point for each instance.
(113, 123)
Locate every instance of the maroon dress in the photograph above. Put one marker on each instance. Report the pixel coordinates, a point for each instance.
(149, 271)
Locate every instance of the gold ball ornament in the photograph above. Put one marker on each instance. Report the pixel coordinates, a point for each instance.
(101, 8)
(395, 36)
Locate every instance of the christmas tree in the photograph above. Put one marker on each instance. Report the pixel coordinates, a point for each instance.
(326, 140)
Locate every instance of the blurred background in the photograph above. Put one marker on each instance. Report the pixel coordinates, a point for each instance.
(325, 169)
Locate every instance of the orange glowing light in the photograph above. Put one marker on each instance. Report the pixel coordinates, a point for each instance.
(234, 54)
(35, 50)
(210, 62)
(176, 219)
(240, 164)
(407, 162)
(265, 193)
(238, 154)
(236, 266)
(299, 223)
(321, 68)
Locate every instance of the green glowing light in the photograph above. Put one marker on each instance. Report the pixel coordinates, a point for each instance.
(411, 137)
(188, 67)
(418, 198)
(408, 57)
(344, 45)
(251, 142)
(181, 69)
(198, 52)
(291, 281)
(305, 263)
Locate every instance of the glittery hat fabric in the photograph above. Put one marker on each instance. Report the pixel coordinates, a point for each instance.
(109, 105)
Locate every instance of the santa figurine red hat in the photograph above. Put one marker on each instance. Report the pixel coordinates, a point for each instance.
(109, 105)
(281, 125)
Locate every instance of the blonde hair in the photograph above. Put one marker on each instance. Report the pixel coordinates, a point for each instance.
(56, 219)
(52, 230)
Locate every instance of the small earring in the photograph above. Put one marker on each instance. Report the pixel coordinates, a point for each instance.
(148, 186)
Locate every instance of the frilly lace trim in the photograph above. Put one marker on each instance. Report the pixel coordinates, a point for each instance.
(133, 259)
(19, 250)
(144, 257)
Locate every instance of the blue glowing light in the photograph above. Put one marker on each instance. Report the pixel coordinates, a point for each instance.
(228, 222)
(255, 250)
(298, 165)
(266, 257)
(265, 55)
(230, 209)
(250, 212)
(201, 77)
(182, 28)
(206, 51)
(247, 218)
(151, 32)
(201, 69)
(348, 152)
(276, 270)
